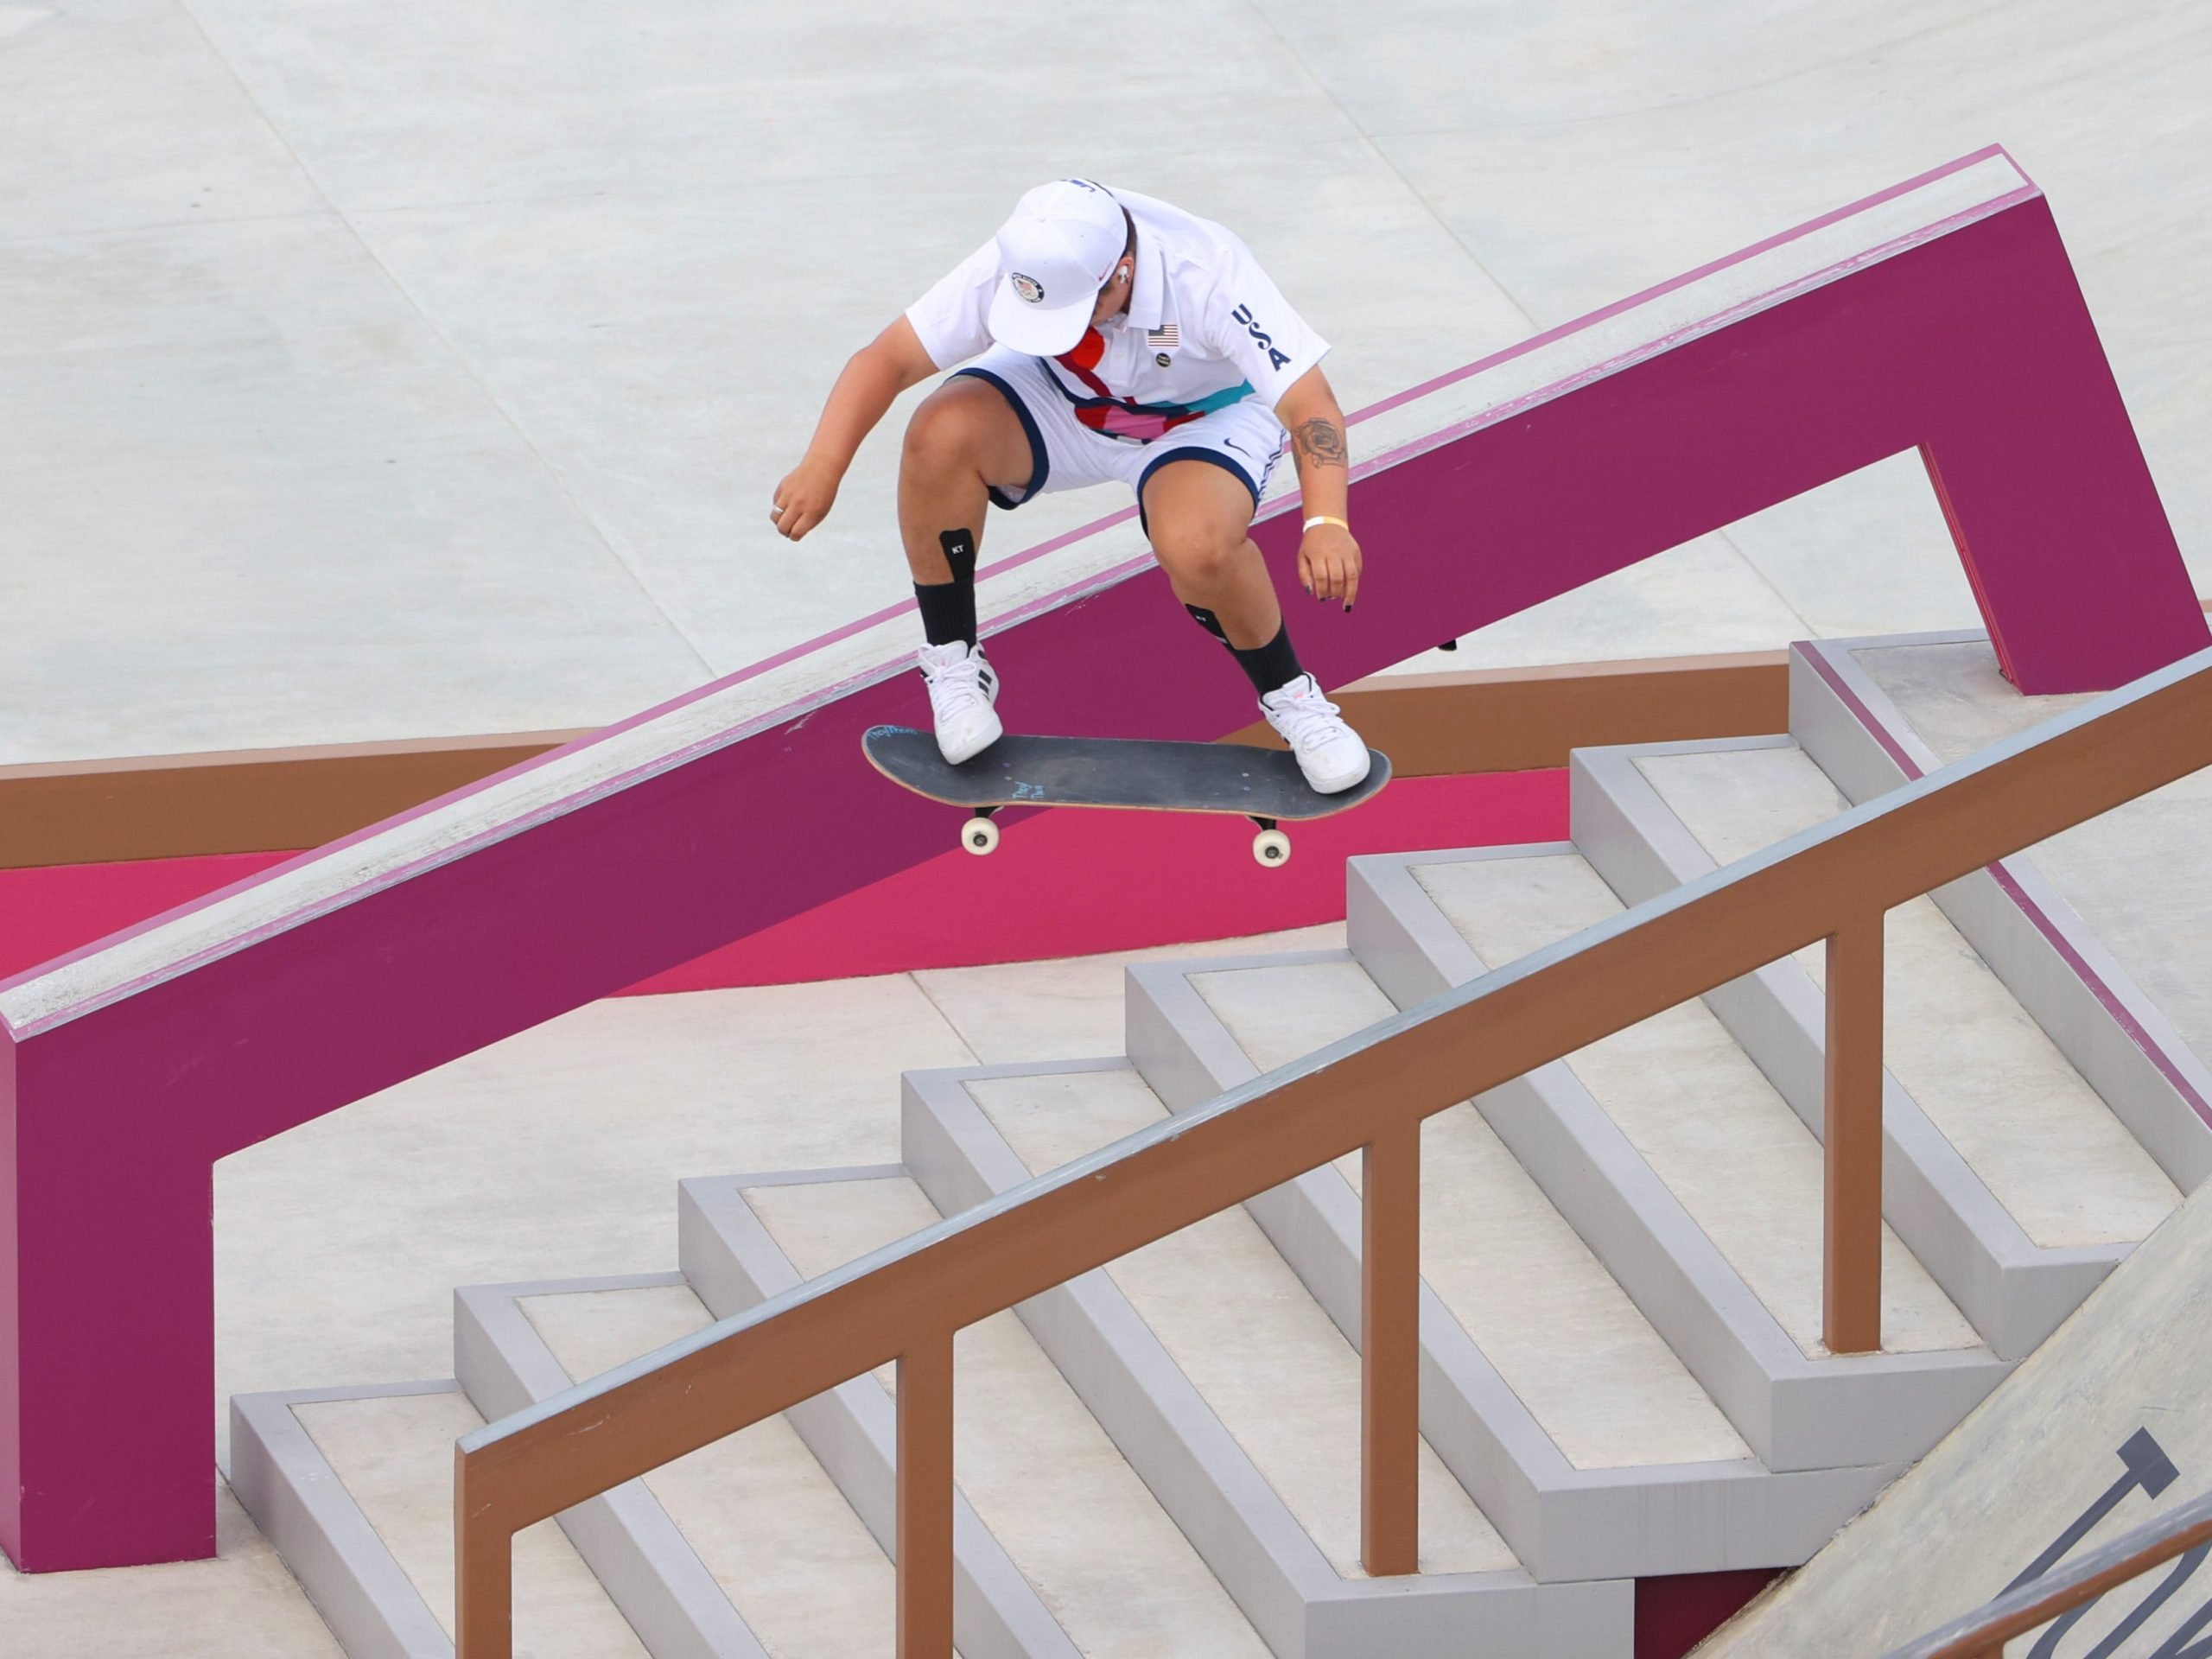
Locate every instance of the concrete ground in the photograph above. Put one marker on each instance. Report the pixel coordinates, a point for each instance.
(395, 370)
(402, 369)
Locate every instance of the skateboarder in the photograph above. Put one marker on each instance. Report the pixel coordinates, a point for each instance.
(1115, 337)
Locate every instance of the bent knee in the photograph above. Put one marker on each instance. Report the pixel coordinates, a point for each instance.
(1200, 554)
(959, 427)
(941, 431)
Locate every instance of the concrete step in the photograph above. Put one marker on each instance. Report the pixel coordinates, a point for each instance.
(2011, 1176)
(1584, 1434)
(1663, 1150)
(802, 1574)
(2115, 968)
(1237, 1399)
(1072, 1516)
(354, 1487)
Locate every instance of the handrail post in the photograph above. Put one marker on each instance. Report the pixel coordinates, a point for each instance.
(924, 1500)
(1389, 1353)
(1852, 1141)
(483, 1576)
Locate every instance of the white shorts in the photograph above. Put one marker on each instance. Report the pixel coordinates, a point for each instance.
(1245, 438)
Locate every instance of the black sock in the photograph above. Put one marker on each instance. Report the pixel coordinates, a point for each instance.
(1272, 666)
(948, 607)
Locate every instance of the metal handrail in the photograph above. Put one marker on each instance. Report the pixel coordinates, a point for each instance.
(1369, 1092)
(1982, 1633)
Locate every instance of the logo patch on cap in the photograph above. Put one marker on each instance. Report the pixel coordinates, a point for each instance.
(1028, 286)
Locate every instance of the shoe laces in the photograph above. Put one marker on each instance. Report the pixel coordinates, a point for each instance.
(956, 682)
(1301, 715)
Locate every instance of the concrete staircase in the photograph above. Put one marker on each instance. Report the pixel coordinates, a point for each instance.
(1623, 1374)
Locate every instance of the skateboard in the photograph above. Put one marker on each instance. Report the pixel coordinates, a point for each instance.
(1128, 773)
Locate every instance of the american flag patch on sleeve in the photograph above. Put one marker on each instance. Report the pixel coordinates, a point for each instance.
(1161, 339)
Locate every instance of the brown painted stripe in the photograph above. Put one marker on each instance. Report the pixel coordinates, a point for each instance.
(272, 800)
(247, 801)
(1519, 719)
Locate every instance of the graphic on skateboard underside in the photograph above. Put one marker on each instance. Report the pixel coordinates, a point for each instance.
(1125, 773)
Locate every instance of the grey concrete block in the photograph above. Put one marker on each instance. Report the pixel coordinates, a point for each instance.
(1406, 944)
(294, 1496)
(733, 1264)
(1243, 1530)
(2014, 1291)
(2032, 940)
(1799, 1415)
(636, 1551)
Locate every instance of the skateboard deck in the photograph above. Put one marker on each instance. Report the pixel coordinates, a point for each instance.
(1131, 774)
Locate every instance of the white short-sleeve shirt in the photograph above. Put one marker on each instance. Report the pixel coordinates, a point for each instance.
(1204, 328)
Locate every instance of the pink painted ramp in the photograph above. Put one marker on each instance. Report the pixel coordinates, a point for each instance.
(1072, 883)
(1941, 315)
(50, 910)
(1067, 884)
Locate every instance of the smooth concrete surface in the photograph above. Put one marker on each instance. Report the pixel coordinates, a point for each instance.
(765, 1519)
(1240, 1523)
(375, 371)
(503, 1362)
(1237, 1321)
(1066, 1505)
(1521, 1281)
(1958, 1042)
(243, 1603)
(394, 1456)
(1543, 1309)
(2019, 1473)
(1055, 1010)
(554, 1154)
(733, 1264)
(2071, 983)
(2012, 1290)
(2120, 872)
(1698, 1111)
(1821, 1427)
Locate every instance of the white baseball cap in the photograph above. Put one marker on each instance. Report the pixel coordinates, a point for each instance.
(1055, 253)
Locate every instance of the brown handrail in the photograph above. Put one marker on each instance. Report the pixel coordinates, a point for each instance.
(1370, 1090)
(1983, 1633)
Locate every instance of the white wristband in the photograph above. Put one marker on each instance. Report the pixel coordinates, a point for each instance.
(1326, 518)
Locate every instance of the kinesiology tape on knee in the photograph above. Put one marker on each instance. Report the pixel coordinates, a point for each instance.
(1206, 620)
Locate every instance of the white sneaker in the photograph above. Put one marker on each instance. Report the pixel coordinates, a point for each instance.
(962, 688)
(1329, 752)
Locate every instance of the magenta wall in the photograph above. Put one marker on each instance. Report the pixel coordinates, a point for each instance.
(1975, 347)
(1066, 884)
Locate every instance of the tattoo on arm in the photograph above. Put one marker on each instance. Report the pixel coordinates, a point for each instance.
(1319, 442)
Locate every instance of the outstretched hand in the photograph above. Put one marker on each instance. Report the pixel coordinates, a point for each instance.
(804, 497)
(1329, 563)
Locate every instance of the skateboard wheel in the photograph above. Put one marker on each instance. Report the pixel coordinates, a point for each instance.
(980, 836)
(1271, 848)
